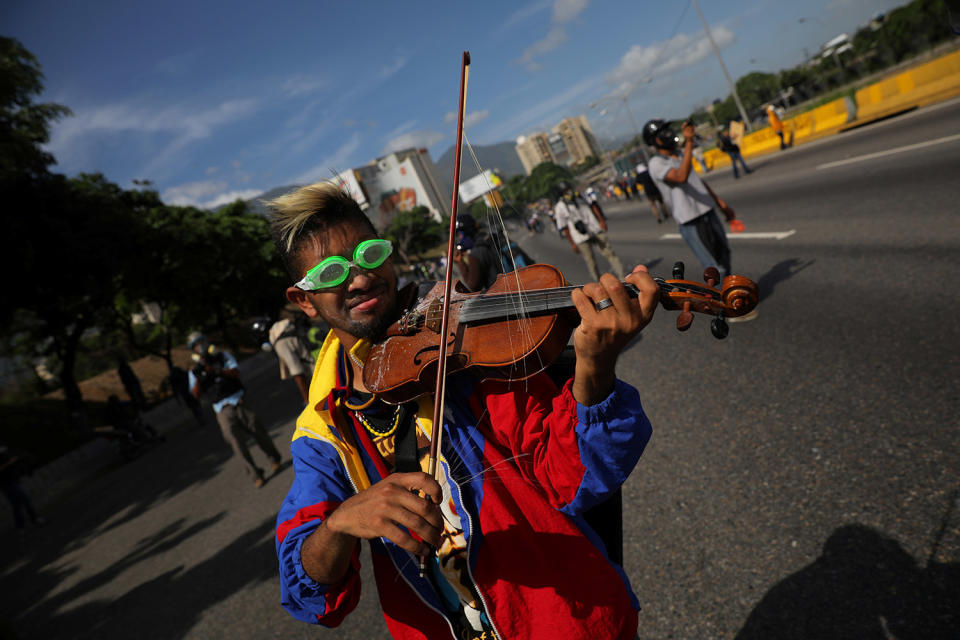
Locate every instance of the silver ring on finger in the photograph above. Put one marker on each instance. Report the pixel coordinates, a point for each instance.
(603, 304)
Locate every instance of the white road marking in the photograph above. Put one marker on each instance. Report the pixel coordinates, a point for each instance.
(755, 235)
(889, 152)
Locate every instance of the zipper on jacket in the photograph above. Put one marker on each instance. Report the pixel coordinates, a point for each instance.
(486, 607)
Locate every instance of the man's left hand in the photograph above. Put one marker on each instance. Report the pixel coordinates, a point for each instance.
(726, 209)
(603, 334)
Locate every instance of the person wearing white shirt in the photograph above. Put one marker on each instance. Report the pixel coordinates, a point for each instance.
(585, 230)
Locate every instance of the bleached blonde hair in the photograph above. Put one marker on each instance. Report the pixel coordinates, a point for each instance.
(298, 215)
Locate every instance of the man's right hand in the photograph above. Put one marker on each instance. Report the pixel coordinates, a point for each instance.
(393, 508)
(575, 248)
(688, 131)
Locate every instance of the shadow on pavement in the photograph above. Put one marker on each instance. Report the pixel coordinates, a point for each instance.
(169, 605)
(864, 585)
(778, 273)
(47, 577)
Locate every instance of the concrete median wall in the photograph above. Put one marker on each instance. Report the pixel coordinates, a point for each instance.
(925, 84)
(822, 121)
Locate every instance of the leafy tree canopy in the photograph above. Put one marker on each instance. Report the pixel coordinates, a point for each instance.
(414, 231)
(24, 125)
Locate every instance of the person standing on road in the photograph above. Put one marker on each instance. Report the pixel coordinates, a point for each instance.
(693, 203)
(293, 352)
(732, 149)
(506, 551)
(776, 124)
(650, 190)
(216, 371)
(593, 199)
(584, 229)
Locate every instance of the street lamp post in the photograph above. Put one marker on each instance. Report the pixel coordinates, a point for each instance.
(716, 50)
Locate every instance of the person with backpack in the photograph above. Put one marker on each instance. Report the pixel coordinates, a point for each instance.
(216, 372)
(585, 230)
(482, 255)
(293, 352)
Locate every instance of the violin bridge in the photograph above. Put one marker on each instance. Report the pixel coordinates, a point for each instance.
(434, 315)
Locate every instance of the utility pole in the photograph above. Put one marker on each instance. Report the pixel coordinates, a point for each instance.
(733, 87)
(636, 130)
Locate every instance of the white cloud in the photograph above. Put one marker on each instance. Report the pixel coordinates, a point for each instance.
(401, 128)
(545, 113)
(390, 69)
(208, 194)
(332, 164)
(231, 196)
(524, 13)
(183, 121)
(563, 12)
(471, 119)
(566, 10)
(642, 63)
(413, 139)
(302, 84)
(181, 124)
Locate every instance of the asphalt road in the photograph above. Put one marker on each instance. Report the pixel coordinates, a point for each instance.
(803, 479)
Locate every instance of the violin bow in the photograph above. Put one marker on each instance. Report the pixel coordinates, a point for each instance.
(441, 386)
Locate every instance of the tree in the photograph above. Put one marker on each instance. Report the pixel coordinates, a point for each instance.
(413, 231)
(73, 242)
(543, 180)
(757, 89)
(515, 190)
(24, 125)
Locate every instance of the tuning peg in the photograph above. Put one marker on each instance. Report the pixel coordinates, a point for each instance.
(719, 327)
(678, 271)
(685, 319)
(711, 276)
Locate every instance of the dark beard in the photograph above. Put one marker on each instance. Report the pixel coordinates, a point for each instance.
(373, 330)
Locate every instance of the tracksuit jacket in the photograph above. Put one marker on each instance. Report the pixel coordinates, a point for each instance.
(524, 460)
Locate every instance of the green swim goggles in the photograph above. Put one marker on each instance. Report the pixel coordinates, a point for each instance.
(333, 271)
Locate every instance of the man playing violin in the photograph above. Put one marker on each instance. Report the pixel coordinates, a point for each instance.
(507, 551)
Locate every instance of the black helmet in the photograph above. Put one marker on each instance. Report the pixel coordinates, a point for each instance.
(466, 223)
(561, 188)
(657, 133)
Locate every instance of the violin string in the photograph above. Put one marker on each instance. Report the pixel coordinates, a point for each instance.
(533, 300)
(519, 309)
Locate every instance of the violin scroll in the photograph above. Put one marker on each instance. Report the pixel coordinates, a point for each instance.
(737, 296)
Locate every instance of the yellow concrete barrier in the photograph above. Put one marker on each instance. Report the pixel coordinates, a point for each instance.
(715, 159)
(760, 141)
(799, 127)
(830, 117)
(925, 84)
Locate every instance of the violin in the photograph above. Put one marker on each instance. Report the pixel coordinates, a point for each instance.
(520, 325)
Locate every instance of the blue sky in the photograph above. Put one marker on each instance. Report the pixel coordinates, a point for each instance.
(215, 100)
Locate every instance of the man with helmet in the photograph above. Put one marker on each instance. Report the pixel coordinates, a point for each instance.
(476, 256)
(482, 255)
(692, 203)
(216, 371)
(585, 229)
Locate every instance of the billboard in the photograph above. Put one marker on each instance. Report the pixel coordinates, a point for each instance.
(396, 189)
(347, 181)
(478, 185)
